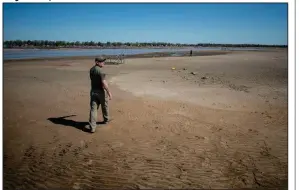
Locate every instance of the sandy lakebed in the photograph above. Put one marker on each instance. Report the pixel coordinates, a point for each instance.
(218, 121)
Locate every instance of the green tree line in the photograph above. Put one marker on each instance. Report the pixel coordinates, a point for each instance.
(67, 44)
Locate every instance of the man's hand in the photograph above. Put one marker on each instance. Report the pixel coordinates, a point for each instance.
(110, 96)
(105, 85)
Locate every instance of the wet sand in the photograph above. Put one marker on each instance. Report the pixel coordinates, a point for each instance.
(216, 121)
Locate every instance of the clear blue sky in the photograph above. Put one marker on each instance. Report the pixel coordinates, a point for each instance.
(177, 23)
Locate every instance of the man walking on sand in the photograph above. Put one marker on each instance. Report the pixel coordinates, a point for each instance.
(99, 94)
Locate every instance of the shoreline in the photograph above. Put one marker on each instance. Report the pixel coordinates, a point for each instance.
(144, 55)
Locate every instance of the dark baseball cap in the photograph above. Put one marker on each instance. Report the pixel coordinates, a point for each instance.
(100, 59)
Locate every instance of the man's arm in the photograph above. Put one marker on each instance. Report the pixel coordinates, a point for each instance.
(105, 85)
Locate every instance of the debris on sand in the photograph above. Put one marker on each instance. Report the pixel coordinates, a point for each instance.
(164, 81)
(76, 186)
(184, 69)
(194, 73)
(173, 68)
(204, 78)
(89, 162)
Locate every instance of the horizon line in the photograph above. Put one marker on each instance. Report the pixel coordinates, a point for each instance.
(153, 42)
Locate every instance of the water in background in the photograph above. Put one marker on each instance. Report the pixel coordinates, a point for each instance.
(35, 53)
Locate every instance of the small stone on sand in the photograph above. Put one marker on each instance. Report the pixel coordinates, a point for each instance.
(76, 186)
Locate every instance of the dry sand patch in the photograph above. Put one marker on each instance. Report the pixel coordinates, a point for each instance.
(157, 84)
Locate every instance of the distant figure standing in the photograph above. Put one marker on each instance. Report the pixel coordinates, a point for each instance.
(98, 94)
(190, 52)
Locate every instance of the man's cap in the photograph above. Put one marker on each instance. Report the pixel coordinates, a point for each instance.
(100, 59)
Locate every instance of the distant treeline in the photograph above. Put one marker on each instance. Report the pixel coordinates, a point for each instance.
(92, 44)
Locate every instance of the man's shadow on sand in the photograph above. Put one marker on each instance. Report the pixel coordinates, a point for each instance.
(68, 122)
